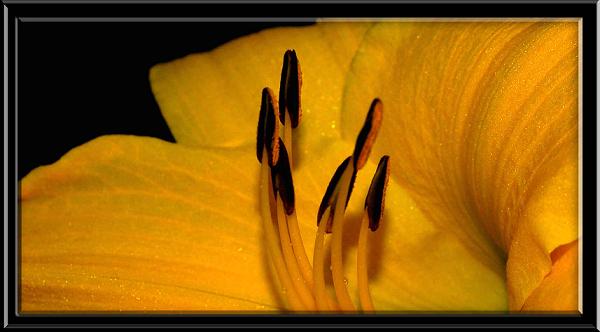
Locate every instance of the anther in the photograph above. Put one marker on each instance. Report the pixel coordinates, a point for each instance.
(282, 179)
(268, 128)
(367, 134)
(289, 89)
(330, 193)
(375, 201)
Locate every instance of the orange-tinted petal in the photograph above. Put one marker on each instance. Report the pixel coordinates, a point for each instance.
(482, 117)
(131, 223)
(549, 220)
(558, 291)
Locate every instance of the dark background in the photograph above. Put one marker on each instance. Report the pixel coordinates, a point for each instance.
(81, 80)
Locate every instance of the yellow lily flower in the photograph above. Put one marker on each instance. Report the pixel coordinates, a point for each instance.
(481, 124)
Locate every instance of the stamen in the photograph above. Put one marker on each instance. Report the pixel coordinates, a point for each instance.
(272, 245)
(321, 295)
(330, 193)
(303, 284)
(339, 283)
(293, 252)
(362, 149)
(361, 267)
(342, 190)
(291, 262)
(374, 205)
(300, 251)
(333, 304)
(289, 89)
(367, 134)
(268, 127)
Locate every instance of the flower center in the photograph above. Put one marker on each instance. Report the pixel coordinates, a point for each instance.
(303, 283)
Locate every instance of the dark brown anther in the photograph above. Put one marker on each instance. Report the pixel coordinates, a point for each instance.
(268, 128)
(282, 180)
(289, 88)
(376, 197)
(332, 188)
(367, 134)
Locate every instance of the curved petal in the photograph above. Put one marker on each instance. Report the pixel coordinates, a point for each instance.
(482, 115)
(549, 220)
(558, 290)
(223, 86)
(133, 223)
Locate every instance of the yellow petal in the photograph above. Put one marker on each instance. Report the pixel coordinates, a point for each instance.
(132, 223)
(558, 291)
(482, 116)
(549, 220)
(212, 99)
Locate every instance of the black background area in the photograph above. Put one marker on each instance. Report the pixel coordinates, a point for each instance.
(81, 80)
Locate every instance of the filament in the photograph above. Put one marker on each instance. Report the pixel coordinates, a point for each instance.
(299, 251)
(294, 231)
(273, 247)
(292, 264)
(321, 295)
(339, 284)
(361, 266)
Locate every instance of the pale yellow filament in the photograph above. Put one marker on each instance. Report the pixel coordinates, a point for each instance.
(339, 284)
(295, 236)
(331, 300)
(361, 266)
(299, 251)
(318, 261)
(292, 264)
(273, 247)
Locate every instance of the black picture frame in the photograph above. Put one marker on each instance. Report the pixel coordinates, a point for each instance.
(34, 138)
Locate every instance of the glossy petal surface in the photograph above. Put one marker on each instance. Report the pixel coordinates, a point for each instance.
(483, 118)
(132, 223)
